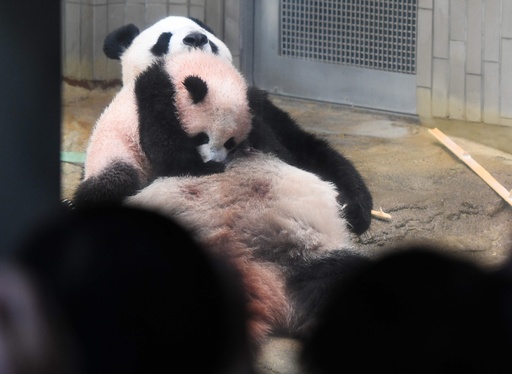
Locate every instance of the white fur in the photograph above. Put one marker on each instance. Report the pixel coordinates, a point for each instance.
(138, 56)
(209, 153)
(263, 202)
(115, 136)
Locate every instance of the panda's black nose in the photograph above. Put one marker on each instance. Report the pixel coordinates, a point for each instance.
(195, 39)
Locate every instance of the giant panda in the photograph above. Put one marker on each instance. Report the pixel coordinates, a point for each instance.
(181, 116)
(273, 130)
(280, 227)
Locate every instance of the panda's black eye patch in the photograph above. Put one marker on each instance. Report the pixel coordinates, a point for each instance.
(196, 87)
(162, 44)
(215, 49)
(200, 139)
(230, 144)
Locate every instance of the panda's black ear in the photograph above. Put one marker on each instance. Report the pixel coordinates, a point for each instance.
(202, 24)
(196, 87)
(119, 40)
(215, 49)
(162, 44)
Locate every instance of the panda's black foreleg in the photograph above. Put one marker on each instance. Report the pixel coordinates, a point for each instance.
(118, 181)
(168, 148)
(311, 283)
(313, 154)
(332, 166)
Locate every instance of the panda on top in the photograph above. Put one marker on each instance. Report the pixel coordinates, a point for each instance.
(272, 130)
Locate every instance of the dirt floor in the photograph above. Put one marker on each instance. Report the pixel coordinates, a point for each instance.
(429, 193)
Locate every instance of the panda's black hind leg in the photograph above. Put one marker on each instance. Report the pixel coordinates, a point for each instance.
(111, 186)
(311, 284)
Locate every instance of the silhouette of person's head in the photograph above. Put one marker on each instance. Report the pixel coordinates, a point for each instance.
(414, 311)
(133, 293)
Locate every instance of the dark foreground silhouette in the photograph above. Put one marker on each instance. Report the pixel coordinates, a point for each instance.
(416, 310)
(119, 290)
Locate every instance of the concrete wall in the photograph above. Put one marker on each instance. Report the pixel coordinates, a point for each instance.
(85, 23)
(464, 68)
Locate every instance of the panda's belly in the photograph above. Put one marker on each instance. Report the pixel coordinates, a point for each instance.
(274, 209)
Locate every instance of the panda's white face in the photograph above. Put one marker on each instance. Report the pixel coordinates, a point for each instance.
(180, 34)
(209, 153)
(191, 104)
(217, 150)
(211, 100)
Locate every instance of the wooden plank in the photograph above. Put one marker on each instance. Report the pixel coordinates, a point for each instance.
(381, 215)
(475, 166)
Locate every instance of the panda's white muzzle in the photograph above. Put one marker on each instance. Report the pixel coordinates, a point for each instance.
(209, 154)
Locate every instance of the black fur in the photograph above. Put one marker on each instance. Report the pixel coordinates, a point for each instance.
(215, 49)
(196, 87)
(200, 139)
(67, 204)
(162, 44)
(230, 144)
(169, 149)
(119, 40)
(202, 24)
(263, 138)
(275, 131)
(111, 186)
(311, 283)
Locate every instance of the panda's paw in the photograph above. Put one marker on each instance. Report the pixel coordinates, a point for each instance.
(359, 217)
(68, 204)
(118, 181)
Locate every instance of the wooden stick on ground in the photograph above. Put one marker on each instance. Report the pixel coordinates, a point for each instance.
(475, 166)
(380, 214)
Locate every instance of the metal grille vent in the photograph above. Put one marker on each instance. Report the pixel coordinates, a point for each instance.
(373, 34)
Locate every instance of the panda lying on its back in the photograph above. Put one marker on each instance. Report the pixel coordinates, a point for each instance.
(279, 226)
(273, 130)
(282, 228)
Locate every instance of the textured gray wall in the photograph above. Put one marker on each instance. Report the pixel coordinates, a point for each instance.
(464, 68)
